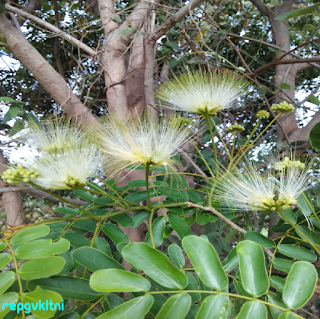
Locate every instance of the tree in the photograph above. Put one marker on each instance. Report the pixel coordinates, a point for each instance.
(93, 58)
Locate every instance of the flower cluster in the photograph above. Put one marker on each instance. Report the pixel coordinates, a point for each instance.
(235, 128)
(287, 163)
(67, 158)
(283, 107)
(252, 190)
(150, 142)
(201, 92)
(263, 114)
(19, 174)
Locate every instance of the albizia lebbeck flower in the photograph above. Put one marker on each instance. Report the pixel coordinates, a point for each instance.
(66, 156)
(252, 190)
(54, 135)
(148, 142)
(67, 170)
(202, 92)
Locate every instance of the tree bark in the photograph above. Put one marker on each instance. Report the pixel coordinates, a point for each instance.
(11, 202)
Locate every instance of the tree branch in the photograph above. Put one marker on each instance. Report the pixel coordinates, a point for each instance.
(41, 194)
(260, 6)
(52, 28)
(287, 61)
(107, 11)
(170, 22)
(196, 167)
(30, 7)
(265, 43)
(45, 74)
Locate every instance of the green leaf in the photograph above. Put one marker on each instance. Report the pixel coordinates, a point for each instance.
(260, 239)
(111, 301)
(193, 195)
(290, 215)
(139, 217)
(123, 219)
(76, 240)
(8, 298)
(176, 255)
(288, 315)
(175, 62)
(6, 280)
(4, 259)
(231, 261)
(193, 285)
(155, 265)
(7, 99)
(274, 299)
(14, 110)
(115, 234)
(88, 225)
(312, 98)
(18, 126)
(157, 231)
(239, 288)
(139, 196)
(128, 30)
(103, 246)
(137, 183)
(297, 13)
(84, 195)
(285, 86)
(3, 246)
(30, 233)
(179, 225)
(252, 268)
(282, 264)
(41, 267)
(170, 192)
(104, 201)
(94, 259)
(299, 289)
(315, 137)
(176, 307)
(68, 287)
(205, 261)
(134, 309)
(196, 60)
(305, 205)
(114, 280)
(277, 283)
(6, 117)
(297, 253)
(307, 234)
(67, 210)
(41, 248)
(214, 307)
(41, 296)
(68, 263)
(253, 310)
(173, 45)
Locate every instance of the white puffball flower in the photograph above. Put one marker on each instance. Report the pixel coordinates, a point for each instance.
(67, 170)
(202, 92)
(251, 190)
(148, 142)
(54, 135)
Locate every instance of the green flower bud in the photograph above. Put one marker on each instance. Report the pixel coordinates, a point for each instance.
(235, 128)
(263, 114)
(283, 107)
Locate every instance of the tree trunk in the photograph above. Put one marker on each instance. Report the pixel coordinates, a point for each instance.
(11, 202)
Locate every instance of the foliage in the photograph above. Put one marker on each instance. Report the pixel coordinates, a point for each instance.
(78, 259)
